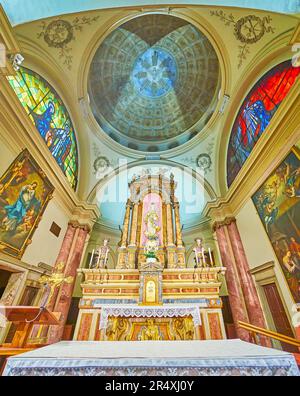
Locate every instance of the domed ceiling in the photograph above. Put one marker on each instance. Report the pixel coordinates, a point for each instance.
(154, 83)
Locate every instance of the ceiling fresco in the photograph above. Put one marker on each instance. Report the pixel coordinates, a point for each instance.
(154, 83)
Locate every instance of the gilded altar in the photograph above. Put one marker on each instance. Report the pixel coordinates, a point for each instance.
(110, 294)
(151, 294)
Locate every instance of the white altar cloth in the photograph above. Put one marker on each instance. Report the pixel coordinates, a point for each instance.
(135, 311)
(165, 358)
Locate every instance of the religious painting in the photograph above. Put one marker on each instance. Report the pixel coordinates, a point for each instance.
(256, 113)
(278, 205)
(48, 113)
(24, 194)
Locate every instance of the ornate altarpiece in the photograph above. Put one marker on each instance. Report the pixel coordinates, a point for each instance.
(151, 294)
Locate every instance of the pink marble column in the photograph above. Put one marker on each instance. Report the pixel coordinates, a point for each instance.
(236, 298)
(62, 258)
(254, 308)
(66, 289)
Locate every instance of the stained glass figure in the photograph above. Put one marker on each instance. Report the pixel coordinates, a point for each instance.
(256, 113)
(48, 113)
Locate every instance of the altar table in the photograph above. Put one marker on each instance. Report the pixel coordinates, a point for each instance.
(156, 358)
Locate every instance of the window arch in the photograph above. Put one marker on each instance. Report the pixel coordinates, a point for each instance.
(51, 118)
(256, 112)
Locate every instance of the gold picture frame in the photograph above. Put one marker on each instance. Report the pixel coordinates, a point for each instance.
(25, 192)
(274, 209)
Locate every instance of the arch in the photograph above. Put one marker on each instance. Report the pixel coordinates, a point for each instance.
(101, 183)
(110, 195)
(48, 113)
(256, 112)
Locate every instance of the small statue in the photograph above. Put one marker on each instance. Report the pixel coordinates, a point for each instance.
(200, 253)
(102, 254)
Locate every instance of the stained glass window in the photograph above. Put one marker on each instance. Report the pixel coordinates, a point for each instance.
(48, 113)
(256, 113)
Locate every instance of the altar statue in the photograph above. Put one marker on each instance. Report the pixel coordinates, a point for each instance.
(152, 229)
(199, 253)
(102, 254)
(151, 220)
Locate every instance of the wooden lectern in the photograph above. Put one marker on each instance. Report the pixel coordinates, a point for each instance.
(25, 318)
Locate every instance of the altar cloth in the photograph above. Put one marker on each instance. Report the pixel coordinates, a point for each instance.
(156, 358)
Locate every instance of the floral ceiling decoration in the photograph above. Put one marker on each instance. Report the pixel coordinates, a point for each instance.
(60, 33)
(247, 30)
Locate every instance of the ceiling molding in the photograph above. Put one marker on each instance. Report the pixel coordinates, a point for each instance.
(20, 12)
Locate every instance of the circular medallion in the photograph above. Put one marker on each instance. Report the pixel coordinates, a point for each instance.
(204, 162)
(58, 33)
(101, 164)
(154, 73)
(249, 29)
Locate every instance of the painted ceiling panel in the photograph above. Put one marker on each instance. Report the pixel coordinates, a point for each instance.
(22, 11)
(152, 80)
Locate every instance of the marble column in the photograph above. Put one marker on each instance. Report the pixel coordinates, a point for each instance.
(170, 233)
(236, 297)
(178, 225)
(126, 224)
(134, 223)
(62, 259)
(254, 309)
(64, 297)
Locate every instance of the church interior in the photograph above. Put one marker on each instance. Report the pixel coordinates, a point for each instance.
(149, 188)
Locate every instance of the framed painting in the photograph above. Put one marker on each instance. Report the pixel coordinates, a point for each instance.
(278, 205)
(24, 194)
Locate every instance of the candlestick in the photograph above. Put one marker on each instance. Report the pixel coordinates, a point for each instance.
(106, 257)
(210, 257)
(203, 255)
(92, 256)
(99, 255)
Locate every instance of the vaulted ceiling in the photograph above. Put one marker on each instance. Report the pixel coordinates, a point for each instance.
(152, 80)
(125, 109)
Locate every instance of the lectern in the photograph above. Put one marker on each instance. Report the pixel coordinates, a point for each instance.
(25, 318)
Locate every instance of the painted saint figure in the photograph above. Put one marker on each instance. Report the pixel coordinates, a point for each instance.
(16, 213)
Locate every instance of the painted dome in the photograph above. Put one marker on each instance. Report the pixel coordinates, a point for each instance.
(154, 83)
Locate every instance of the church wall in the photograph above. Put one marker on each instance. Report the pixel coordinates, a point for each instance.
(45, 245)
(259, 250)
(7, 155)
